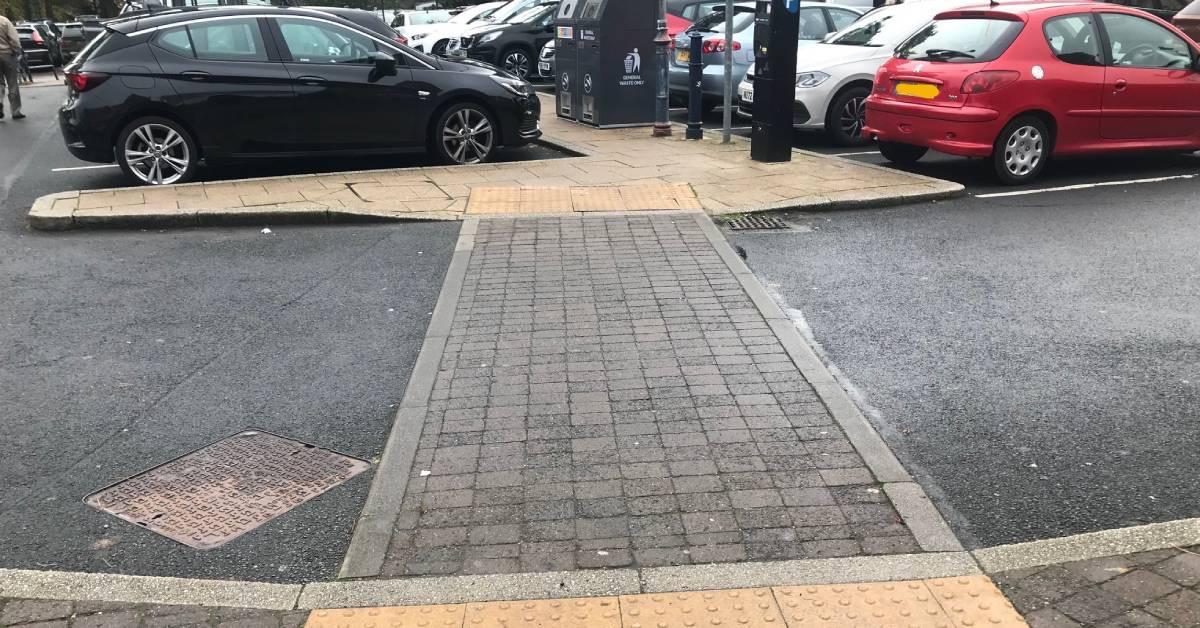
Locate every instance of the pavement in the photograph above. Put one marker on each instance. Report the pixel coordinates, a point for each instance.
(619, 170)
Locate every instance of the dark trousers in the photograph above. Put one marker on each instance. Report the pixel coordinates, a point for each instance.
(8, 76)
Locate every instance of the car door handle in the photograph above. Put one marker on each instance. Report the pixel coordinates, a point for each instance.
(311, 80)
(195, 75)
(1120, 85)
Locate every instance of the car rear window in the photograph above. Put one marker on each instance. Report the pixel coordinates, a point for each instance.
(961, 40)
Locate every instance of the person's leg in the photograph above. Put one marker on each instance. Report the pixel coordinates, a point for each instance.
(8, 67)
(4, 81)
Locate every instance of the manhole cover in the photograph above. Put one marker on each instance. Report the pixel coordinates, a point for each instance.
(756, 221)
(213, 495)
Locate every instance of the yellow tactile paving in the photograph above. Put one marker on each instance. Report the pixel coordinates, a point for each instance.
(964, 602)
(974, 601)
(444, 616)
(599, 612)
(736, 607)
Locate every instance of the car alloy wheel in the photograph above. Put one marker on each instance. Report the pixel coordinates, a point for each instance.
(156, 154)
(516, 62)
(853, 117)
(468, 136)
(1023, 151)
(846, 116)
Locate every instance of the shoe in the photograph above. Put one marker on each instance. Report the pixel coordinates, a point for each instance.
(18, 116)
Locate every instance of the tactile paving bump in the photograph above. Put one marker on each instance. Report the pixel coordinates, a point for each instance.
(447, 616)
(704, 609)
(974, 601)
(213, 495)
(899, 604)
(599, 612)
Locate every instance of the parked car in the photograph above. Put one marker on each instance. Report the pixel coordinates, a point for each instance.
(435, 38)
(833, 76)
(546, 60)
(92, 25)
(235, 83)
(365, 19)
(48, 34)
(1188, 20)
(37, 49)
(73, 39)
(1165, 9)
(511, 45)
(1018, 84)
(405, 19)
(815, 23)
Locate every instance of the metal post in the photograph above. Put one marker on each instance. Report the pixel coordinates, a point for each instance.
(662, 119)
(727, 120)
(695, 76)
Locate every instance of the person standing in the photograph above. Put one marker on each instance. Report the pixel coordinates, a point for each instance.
(10, 54)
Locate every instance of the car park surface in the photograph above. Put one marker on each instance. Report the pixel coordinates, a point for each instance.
(1021, 83)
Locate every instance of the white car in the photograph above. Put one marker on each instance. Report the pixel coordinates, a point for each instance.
(434, 38)
(834, 76)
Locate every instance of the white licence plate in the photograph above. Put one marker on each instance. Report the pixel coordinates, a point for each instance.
(543, 67)
(747, 96)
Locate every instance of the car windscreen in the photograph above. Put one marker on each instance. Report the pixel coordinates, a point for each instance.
(504, 13)
(961, 40)
(472, 13)
(715, 22)
(881, 28)
(528, 15)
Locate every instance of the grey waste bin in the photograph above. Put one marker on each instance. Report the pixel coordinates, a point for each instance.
(604, 57)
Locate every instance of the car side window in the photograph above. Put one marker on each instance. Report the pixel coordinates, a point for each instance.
(812, 24)
(1073, 39)
(228, 40)
(1135, 42)
(311, 41)
(842, 18)
(176, 40)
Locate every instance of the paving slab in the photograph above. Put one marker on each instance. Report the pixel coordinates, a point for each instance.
(616, 170)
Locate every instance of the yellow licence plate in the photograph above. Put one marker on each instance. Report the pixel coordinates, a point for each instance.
(917, 90)
(683, 56)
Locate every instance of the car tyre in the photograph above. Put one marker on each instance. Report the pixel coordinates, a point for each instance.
(517, 61)
(846, 116)
(157, 151)
(902, 154)
(1021, 150)
(465, 133)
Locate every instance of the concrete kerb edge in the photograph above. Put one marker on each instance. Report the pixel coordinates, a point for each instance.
(373, 530)
(927, 525)
(1143, 538)
(66, 585)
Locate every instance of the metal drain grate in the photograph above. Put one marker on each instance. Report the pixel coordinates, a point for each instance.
(213, 495)
(755, 222)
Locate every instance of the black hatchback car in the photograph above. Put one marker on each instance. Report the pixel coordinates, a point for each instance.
(159, 93)
(512, 45)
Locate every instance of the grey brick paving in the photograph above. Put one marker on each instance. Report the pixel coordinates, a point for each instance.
(1157, 589)
(610, 396)
(75, 614)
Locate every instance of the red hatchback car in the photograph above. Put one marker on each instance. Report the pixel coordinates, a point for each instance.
(1017, 83)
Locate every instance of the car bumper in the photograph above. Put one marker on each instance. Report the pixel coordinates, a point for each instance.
(712, 82)
(38, 58)
(83, 141)
(965, 131)
(486, 54)
(802, 116)
(523, 125)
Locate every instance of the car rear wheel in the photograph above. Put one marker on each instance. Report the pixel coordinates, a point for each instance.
(157, 151)
(516, 61)
(1021, 150)
(903, 154)
(847, 114)
(465, 134)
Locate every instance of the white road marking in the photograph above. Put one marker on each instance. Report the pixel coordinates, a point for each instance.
(83, 168)
(865, 152)
(1084, 186)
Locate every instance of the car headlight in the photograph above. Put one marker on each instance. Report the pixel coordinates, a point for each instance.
(810, 79)
(417, 37)
(490, 37)
(516, 86)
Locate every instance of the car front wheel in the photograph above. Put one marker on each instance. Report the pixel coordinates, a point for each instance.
(1020, 152)
(157, 151)
(465, 134)
(847, 114)
(516, 61)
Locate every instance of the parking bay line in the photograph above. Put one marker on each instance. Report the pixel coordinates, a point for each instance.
(83, 168)
(1084, 186)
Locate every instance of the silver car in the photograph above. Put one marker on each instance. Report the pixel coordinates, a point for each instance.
(815, 23)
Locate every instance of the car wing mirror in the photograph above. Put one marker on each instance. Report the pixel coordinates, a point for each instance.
(385, 64)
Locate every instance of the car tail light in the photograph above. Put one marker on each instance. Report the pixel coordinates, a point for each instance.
(37, 38)
(83, 81)
(881, 80)
(989, 81)
(400, 39)
(717, 45)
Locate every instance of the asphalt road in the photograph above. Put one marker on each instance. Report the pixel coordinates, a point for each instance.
(1035, 359)
(124, 349)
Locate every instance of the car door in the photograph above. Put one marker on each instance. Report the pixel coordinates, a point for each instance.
(342, 102)
(840, 18)
(1074, 80)
(1150, 87)
(232, 90)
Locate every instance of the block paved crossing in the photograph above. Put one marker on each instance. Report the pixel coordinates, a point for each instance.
(610, 396)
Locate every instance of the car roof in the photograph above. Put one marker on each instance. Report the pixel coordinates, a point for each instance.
(1026, 7)
(167, 17)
